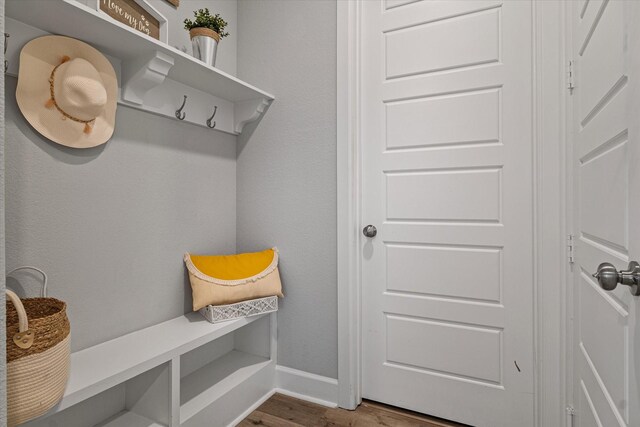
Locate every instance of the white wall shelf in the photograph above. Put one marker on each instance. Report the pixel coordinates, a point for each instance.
(153, 75)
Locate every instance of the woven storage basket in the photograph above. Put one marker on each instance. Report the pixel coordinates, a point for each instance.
(37, 356)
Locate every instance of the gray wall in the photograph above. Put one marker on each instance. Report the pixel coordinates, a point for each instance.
(286, 170)
(110, 224)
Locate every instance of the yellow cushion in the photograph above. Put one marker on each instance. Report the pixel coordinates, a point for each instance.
(226, 279)
(233, 267)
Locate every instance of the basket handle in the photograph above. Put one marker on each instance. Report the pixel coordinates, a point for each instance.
(24, 337)
(28, 267)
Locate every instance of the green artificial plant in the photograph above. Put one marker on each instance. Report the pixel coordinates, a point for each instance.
(204, 19)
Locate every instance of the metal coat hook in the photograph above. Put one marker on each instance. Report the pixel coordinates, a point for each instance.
(6, 44)
(215, 110)
(179, 114)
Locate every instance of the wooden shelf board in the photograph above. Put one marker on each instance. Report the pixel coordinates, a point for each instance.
(73, 19)
(105, 365)
(206, 385)
(129, 419)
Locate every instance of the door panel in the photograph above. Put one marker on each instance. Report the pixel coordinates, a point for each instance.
(605, 154)
(447, 180)
(608, 178)
(477, 32)
(406, 336)
(473, 195)
(390, 4)
(604, 327)
(407, 265)
(467, 118)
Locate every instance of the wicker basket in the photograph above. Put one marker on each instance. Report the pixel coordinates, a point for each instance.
(252, 307)
(37, 356)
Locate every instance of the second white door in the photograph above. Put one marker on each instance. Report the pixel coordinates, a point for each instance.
(605, 130)
(447, 282)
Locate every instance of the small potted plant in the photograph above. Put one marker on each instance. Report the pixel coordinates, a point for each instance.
(205, 31)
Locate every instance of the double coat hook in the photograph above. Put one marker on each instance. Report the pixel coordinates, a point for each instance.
(215, 110)
(179, 114)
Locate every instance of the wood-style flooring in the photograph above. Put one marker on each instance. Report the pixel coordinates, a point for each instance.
(284, 411)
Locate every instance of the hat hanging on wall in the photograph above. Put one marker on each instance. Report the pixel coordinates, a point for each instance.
(67, 91)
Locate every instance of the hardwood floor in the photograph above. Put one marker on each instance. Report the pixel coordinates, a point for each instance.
(284, 411)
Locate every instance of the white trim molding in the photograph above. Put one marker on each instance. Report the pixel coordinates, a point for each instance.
(348, 181)
(549, 205)
(551, 261)
(306, 386)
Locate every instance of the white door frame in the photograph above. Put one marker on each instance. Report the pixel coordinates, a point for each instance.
(549, 157)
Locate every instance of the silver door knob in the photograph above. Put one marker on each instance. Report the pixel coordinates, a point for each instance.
(608, 277)
(370, 231)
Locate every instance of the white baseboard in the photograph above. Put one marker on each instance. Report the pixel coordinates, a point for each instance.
(301, 385)
(306, 386)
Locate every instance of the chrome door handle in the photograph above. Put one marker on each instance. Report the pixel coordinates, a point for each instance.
(608, 277)
(370, 231)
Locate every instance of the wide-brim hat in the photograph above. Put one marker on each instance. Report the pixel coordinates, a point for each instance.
(67, 91)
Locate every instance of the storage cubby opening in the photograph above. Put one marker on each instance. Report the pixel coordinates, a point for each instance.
(142, 401)
(210, 371)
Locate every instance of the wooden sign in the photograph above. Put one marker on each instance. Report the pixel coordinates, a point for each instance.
(130, 13)
(176, 3)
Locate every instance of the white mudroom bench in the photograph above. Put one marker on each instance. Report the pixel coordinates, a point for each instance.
(182, 372)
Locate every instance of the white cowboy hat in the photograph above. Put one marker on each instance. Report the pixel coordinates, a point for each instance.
(67, 91)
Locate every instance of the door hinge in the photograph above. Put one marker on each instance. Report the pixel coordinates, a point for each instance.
(571, 413)
(570, 248)
(571, 84)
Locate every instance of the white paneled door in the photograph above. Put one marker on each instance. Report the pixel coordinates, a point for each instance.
(447, 282)
(605, 125)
